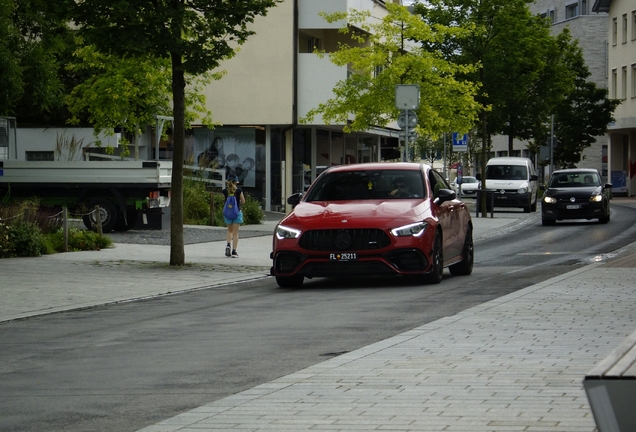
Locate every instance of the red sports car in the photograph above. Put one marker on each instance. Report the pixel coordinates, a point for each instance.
(374, 219)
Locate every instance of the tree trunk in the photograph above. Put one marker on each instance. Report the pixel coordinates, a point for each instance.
(177, 251)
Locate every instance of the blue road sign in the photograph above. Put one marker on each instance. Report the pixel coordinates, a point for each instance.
(460, 142)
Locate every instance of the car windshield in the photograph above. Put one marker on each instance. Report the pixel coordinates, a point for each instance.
(574, 179)
(506, 172)
(365, 185)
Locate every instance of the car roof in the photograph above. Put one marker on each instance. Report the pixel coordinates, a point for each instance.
(510, 160)
(575, 170)
(403, 166)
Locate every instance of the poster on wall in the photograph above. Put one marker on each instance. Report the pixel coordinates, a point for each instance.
(619, 183)
(233, 149)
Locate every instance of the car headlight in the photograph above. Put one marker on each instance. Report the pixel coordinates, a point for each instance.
(522, 190)
(415, 230)
(596, 198)
(283, 232)
(549, 200)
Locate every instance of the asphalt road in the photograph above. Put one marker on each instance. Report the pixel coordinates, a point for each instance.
(126, 366)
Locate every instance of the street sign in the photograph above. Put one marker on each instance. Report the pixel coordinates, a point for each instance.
(460, 142)
(412, 119)
(407, 96)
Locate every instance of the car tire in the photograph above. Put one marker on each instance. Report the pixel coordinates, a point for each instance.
(547, 222)
(107, 211)
(290, 281)
(437, 258)
(465, 267)
(606, 218)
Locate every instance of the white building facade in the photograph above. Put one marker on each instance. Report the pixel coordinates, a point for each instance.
(270, 85)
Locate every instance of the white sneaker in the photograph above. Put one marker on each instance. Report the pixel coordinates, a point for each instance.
(234, 254)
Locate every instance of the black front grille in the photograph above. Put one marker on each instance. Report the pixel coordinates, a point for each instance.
(344, 240)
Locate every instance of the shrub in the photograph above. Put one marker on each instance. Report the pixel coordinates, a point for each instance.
(196, 203)
(79, 240)
(23, 239)
(196, 206)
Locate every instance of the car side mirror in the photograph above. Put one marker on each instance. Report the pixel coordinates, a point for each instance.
(608, 186)
(444, 195)
(478, 176)
(534, 177)
(294, 199)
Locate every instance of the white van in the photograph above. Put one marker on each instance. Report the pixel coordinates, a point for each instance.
(514, 182)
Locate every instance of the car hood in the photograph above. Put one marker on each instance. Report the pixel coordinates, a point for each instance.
(367, 214)
(578, 192)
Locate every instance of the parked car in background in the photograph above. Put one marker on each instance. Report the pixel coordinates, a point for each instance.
(374, 219)
(576, 193)
(470, 185)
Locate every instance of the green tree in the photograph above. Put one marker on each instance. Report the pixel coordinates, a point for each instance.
(382, 56)
(583, 115)
(128, 92)
(523, 73)
(34, 35)
(196, 36)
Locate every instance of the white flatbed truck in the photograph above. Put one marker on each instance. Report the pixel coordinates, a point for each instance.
(123, 190)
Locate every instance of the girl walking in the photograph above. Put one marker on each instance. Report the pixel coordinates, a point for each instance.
(232, 236)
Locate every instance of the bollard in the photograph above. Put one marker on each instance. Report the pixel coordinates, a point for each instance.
(65, 227)
(98, 220)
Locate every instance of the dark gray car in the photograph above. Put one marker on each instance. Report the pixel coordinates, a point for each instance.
(577, 193)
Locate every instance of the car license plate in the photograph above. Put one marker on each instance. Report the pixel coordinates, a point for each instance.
(343, 256)
(573, 206)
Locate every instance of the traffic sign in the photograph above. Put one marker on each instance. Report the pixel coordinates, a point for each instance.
(412, 119)
(407, 96)
(460, 142)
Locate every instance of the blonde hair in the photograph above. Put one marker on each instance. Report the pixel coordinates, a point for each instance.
(231, 187)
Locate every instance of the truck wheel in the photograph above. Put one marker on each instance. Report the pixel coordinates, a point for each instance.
(107, 212)
(128, 223)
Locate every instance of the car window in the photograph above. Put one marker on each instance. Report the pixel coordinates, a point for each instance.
(575, 179)
(437, 182)
(506, 172)
(365, 185)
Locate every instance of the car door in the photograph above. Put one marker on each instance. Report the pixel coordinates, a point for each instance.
(447, 215)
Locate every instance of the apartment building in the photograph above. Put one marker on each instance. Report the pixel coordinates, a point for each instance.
(270, 85)
(621, 68)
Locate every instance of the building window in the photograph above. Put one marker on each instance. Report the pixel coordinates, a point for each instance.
(584, 10)
(40, 156)
(614, 31)
(624, 83)
(613, 94)
(308, 43)
(624, 28)
(571, 10)
(634, 80)
(633, 25)
(552, 15)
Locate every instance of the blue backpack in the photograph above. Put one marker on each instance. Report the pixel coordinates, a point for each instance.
(231, 208)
